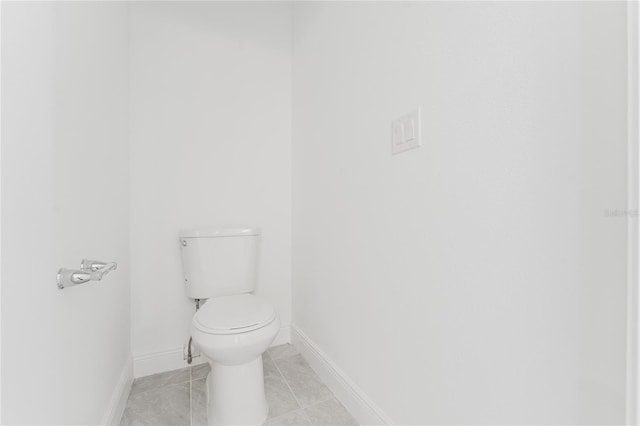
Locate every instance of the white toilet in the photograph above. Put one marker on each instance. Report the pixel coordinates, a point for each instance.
(233, 328)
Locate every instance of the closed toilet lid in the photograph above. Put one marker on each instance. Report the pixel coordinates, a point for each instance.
(237, 313)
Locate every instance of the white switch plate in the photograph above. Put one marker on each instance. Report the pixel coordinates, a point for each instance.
(405, 132)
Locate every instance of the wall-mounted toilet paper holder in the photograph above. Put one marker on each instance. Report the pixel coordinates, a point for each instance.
(90, 270)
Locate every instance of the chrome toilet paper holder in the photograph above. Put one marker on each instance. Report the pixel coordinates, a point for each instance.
(90, 270)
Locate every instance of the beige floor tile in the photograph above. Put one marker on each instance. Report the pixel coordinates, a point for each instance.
(165, 405)
(294, 418)
(282, 351)
(304, 382)
(200, 371)
(154, 381)
(330, 413)
(295, 394)
(279, 396)
(199, 403)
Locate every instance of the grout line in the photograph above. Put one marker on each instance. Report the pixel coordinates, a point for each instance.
(282, 416)
(157, 386)
(191, 396)
(323, 401)
(306, 416)
(283, 356)
(286, 382)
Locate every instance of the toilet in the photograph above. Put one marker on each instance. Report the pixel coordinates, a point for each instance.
(234, 327)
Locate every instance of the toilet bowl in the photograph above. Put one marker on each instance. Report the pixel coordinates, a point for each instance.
(233, 332)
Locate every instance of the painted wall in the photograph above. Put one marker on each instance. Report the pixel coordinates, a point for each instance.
(633, 196)
(64, 197)
(210, 145)
(476, 279)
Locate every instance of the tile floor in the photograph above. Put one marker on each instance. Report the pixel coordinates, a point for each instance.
(295, 394)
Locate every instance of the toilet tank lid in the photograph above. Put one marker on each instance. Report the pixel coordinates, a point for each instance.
(237, 231)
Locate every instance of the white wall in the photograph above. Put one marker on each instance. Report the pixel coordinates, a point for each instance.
(633, 195)
(210, 146)
(64, 197)
(476, 279)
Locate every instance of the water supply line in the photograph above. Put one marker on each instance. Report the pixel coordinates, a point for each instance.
(189, 356)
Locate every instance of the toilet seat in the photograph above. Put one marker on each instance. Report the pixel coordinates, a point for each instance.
(233, 314)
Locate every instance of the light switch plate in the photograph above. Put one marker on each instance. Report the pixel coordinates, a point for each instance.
(406, 132)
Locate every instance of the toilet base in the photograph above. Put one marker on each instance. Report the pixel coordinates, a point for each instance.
(235, 394)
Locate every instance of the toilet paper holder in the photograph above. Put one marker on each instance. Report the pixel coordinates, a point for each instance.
(90, 270)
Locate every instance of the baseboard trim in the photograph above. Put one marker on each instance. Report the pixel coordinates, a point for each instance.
(365, 411)
(173, 359)
(118, 400)
(161, 361)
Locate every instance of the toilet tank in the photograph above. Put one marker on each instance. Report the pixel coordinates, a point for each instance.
(219, 261)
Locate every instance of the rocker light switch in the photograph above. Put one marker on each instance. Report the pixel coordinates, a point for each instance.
(398, 133)
(406, 132)
(409, 130)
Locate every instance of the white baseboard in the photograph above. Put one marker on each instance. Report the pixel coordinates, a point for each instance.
(161, 361)
(365, 411)
(173, 359)
(118, 400)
